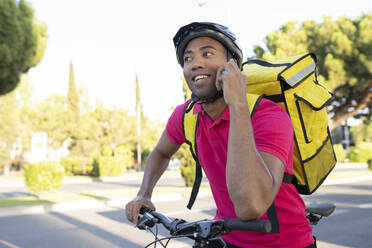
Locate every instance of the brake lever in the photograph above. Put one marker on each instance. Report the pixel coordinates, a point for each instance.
(146, 221)
(203, 229)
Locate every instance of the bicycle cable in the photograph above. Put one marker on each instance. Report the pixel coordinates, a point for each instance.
(169, 238)
(156, 237)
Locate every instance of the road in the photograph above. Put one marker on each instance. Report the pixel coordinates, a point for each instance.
(349, 226)
(351, 223)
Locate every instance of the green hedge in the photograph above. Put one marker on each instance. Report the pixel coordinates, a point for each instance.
(77, 165)
(112, 163)
(341, 153)
(369, 163)
(126, 154)
(108, 166)
(188, 174)
(187, 165)
(43, 176)
(362, 152)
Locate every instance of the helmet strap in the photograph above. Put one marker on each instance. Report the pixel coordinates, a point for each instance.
(199, 100)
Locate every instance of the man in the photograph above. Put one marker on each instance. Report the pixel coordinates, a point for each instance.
(244, 159)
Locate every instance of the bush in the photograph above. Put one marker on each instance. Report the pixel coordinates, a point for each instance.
(43, 176)
(341, 153)
(369, 163)
(77, 165)
(108, 166)
(188, 174)
(126, 154)
(362, 152)
(187, 165)
(107, 163)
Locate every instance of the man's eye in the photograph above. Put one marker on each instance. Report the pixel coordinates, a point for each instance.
(207, 53)
(186, 59)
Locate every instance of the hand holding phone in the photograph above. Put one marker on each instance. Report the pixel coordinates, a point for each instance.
(224, 72)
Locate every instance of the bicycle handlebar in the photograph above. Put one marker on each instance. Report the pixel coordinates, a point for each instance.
(204, 231)
(205, 227)
(263, 226)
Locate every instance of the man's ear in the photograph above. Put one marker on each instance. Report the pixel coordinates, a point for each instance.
(229, 56)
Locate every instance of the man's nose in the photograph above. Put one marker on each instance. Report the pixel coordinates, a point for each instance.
(198, 63)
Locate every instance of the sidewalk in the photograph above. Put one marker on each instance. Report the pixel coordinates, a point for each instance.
(123, 189)
(17, 181)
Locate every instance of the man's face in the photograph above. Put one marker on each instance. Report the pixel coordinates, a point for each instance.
(202, 58)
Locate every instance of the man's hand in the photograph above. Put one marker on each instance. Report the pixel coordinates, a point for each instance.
(234, 83)
(133, 207)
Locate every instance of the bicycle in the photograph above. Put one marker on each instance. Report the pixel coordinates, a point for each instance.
(205, 231)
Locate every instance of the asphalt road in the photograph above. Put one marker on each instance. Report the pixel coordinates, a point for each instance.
(349, 226)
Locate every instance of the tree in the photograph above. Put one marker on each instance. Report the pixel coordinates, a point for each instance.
(102, 127)
(344, 51)
(73, 100)
(26, 103)
(54, 117)
(139, 114)
(73, 94)
(8, 129)
(22, 42)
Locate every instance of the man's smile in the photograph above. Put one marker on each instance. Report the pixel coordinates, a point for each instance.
(198, 79)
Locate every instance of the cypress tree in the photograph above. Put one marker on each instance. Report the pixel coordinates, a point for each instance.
(73, 95)
(138, 115)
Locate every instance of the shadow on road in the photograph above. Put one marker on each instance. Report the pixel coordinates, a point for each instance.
(96, 231)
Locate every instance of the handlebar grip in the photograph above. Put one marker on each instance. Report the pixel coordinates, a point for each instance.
(263, 226)
(145, 210)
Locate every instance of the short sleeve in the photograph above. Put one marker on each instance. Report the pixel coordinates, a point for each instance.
(174, 126)
(273, 131)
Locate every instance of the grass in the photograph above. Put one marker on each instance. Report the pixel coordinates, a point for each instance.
(23, 201)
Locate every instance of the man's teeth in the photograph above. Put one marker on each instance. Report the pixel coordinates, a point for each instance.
(200, 77)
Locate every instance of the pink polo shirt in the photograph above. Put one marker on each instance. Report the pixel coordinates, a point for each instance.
(273, 134)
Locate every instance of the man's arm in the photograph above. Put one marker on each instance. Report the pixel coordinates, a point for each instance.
(253, 178)
(156, 164)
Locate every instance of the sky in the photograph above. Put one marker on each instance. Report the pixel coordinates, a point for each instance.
(110, 42)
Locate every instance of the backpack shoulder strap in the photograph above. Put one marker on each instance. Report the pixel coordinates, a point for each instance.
(189, 126)
(253, 100)
(190, 123)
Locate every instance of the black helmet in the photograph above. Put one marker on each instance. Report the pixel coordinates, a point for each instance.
(207, 29)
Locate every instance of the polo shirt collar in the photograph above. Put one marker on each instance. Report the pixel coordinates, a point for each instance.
(199, 109)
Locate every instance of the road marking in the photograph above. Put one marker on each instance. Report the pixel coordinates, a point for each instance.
(365, 205)
(330, 245)
(340, 211)
(8, 244)
(346, 180)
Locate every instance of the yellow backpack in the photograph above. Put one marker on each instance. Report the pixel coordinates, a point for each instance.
(292, 83)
